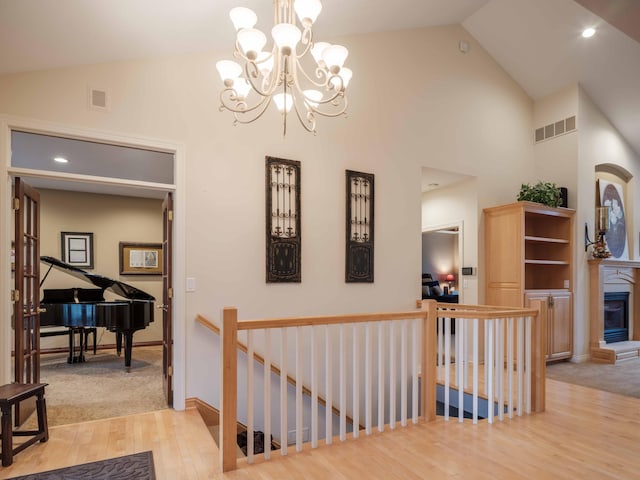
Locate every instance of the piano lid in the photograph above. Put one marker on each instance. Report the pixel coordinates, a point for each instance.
(117, 287)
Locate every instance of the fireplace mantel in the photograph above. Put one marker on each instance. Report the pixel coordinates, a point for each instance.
(599, 270)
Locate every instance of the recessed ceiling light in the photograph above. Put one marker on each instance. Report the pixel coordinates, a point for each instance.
(588, 32)
(60, 160)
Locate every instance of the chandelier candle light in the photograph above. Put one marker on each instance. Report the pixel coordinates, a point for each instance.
(278, 73)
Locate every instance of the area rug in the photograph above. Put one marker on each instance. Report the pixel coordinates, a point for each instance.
(623, 378)
(138, 466)
(101, 387)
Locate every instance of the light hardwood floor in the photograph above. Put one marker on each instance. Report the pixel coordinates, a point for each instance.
(584, 434)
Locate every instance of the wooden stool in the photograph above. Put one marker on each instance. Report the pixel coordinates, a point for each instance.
(11, 395)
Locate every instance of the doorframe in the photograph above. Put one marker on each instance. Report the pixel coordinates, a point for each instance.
(9, 123)
(460, 225)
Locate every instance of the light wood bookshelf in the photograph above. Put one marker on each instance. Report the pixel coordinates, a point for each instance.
(529, 261)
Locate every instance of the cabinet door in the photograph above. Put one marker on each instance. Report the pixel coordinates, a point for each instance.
(540, 300)
(561, 326)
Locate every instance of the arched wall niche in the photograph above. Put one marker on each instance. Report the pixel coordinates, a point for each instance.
(617, 170)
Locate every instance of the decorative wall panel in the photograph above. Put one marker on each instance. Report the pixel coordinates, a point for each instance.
(359, 227)
(283, 220)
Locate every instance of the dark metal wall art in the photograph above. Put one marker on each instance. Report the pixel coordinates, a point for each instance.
(359, 231)
(283, 220)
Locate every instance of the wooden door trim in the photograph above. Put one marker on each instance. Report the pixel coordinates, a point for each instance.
(9, 123)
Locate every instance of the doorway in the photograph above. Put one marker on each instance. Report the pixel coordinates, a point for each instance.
(95, 183)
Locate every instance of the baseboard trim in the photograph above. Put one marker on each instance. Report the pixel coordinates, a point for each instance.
(209, 413)
(108, 346)
(580, 358)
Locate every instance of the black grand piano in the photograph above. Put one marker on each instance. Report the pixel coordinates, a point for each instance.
(78, 308)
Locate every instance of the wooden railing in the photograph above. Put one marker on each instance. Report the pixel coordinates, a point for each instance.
(396, 349)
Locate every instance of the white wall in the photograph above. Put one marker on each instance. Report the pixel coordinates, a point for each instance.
(111, 219)
(556, 159)
(446, 107)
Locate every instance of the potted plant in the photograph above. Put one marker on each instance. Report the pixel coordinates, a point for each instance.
(546, 193)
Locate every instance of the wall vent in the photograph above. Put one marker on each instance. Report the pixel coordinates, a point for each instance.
(554, 129)
(98, 98)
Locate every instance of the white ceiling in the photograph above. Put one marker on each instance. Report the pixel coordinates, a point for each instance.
(536, 41)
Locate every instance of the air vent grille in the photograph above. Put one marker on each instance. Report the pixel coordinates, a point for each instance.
(554, 129)
(98, 99)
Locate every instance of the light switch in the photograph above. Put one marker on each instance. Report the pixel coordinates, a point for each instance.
(191, 284)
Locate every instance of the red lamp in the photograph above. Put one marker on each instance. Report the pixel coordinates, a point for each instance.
(450, 278)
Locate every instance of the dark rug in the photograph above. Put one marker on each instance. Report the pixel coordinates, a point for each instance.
(130, 467)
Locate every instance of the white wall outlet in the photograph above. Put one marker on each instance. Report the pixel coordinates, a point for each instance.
(566, 284)
(191, 284)
(465, 283)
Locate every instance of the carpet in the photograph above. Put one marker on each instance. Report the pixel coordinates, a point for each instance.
(130, 467)
(100, 387)
(623, 378)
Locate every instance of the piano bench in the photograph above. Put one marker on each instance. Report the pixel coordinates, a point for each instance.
(53, 331)
(10, 395)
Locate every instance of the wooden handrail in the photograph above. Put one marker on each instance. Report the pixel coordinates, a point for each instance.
(202, 320)
(483, 312)
(286, 322)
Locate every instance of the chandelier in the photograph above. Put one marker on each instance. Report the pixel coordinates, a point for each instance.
(278, 74)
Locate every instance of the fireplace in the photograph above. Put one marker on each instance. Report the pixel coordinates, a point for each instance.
(616, 317)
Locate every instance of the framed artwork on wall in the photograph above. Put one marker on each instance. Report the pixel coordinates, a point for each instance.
(359, 227)
(283, 221)
(140, 258)
(77, 249)
(612, 196)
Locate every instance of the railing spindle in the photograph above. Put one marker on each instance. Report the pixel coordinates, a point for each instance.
(284, 434)
(328, 434)
(460, 367)
(356, 385)
(527, 365)
(392, 376)
(510, 366)
(447, 365)
(403, 373)
(499, 366)
(490, 367)
(314, 390)
(440, 334)
(476, 360)
(250, 396)
(414, 371)
(298, 391)
(381, 376)
(519, 364)
(343, 387)
(267, 393)
(367, 378)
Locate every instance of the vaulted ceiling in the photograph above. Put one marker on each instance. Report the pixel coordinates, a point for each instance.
(537, 42)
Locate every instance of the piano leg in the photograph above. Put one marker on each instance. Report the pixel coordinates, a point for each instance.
(73, 358)
(119, 343)
(128, 345)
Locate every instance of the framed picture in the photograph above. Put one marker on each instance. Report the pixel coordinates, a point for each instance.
(612, 195)
(140, 258)
(77, 249)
